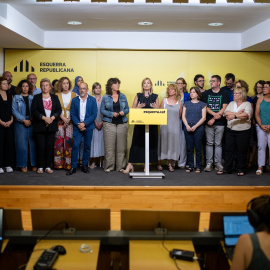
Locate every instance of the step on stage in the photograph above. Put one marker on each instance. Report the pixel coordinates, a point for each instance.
(179, 190)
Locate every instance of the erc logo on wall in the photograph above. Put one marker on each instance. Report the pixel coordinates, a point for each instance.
(25, 66)
(161, 83)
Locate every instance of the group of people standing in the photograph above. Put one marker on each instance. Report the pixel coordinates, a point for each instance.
(57, 126)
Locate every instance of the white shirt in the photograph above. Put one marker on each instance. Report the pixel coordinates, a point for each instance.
(239, 124)
(47, 112)
(82, 109)
(66, 99)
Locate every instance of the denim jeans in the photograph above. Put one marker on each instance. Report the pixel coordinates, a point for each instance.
(214, 136)
(194, 140)
(23, 137)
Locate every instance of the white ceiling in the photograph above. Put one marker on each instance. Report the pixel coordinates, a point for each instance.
(27, 24)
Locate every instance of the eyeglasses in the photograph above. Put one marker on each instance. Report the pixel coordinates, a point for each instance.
(236, 93)
(200, 81)
(32, 79)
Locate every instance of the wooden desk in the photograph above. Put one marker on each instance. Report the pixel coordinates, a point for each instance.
(5, 242)
(73, 259)
(148, 255)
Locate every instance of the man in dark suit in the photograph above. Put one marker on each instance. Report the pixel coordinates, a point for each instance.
(83, 112)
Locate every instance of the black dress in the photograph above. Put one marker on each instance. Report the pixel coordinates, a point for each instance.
(6, 134)
(137, 150)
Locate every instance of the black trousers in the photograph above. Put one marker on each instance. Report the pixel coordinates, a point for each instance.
(7, 146)
(44, 148)
(237, 143)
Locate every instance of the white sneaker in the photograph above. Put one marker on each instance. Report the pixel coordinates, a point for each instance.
(9, 169)
(1, 170)
(208, 167)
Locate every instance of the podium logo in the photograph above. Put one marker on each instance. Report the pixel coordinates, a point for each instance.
(24, 67)
(159, 83)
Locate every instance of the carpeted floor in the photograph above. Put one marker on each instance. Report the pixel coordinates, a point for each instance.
(98, 177)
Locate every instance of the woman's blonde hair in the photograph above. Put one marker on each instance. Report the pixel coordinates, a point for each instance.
(242, 91)
(151, 90)
(184, 82)
(45, 80)
(174, 87)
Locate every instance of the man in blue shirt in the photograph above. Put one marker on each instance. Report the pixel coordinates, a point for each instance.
(229, 83)
(32, 78)
(83, 112)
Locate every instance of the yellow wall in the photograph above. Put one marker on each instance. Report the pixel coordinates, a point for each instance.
(132, 66)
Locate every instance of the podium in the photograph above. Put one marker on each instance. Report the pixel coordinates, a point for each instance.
(147, 117)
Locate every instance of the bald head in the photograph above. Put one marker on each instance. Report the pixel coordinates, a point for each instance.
(32, 78)
(83, 89)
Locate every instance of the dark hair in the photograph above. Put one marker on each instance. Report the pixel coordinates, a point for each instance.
(59, 85)
(94, 86)
(267, 82)
(184, 82)
(243, 84)
(54, 82)
(217, 77)
(109, 84)
(262, 82)
(197, 77)
(19, 87)
(198, 91)
(229, 76)
(3, 79)
(261, 206)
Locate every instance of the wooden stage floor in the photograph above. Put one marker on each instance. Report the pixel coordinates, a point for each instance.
(199, 198)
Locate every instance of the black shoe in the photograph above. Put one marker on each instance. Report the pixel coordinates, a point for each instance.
(71, 171)
(85, 169)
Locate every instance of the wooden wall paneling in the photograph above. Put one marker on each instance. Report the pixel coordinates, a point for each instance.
(203, 199)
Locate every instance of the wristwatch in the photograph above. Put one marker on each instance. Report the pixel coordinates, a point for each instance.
(235, 117)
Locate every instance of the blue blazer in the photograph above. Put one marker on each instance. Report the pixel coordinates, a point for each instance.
(90, 114)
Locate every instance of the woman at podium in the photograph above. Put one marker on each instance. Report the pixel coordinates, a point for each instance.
(169, 135)
(147, 100)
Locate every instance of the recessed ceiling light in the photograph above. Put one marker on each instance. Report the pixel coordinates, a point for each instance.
(145, 23)
(215, 24)
(74, 23)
